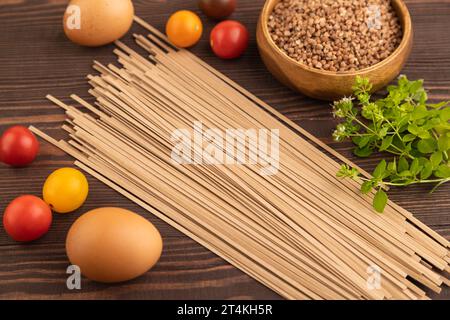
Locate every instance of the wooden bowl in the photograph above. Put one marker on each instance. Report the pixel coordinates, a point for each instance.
(329, 85)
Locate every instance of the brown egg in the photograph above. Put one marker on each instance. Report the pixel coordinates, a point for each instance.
(96, 23)
(113, 245)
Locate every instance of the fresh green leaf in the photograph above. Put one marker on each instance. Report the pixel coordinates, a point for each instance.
(408, 137)
(403, 121)
(438, 105)
(424, 134)
(436, 159)
(426, 146)
(419, 112)
(405, 173)
(356, 139)
(383, 132)
(386, 143)
(398, 143)
(414, 168)
(392, 166)
(414, 129)
(415, 86)
(432, 123)
(403, 164)
(346, 172)
(363, 141)
(423, 161)
(443, 171)
(380, 200)
(444, 114)
(380, 169)
(366, 187)
(363, 152)
(426, 171)
(444, 143)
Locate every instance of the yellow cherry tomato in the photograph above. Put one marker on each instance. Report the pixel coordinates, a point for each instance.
(184, 28)
(65, 190)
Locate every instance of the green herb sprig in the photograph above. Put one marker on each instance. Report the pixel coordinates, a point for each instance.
(403, 124)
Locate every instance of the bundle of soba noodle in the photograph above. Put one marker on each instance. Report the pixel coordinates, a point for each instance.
(300, 231)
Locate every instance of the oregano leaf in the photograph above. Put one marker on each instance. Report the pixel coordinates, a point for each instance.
(426, 171)
(414, 168)
(408, 137)
(414, 129)
(426, 146)
(444, 143)
(424, 134)
(386, 143)
(380, 169)
(366, 187)
(380, 200)
(436, 159)
(363, 152)
(443, 171)
(363, 141)
(419, 112)
(392, 166)
(405, 173)
(444, 114)
(403, 164)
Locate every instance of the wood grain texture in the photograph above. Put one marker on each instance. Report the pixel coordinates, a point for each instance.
(36, 59)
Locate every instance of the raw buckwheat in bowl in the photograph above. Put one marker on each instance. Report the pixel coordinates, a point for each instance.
(318, 47)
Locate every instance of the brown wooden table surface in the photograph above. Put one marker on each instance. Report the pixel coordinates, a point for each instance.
(37, 59)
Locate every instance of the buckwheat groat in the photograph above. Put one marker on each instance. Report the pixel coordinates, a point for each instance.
(336, 35)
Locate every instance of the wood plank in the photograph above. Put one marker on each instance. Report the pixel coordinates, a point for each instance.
(37, 59)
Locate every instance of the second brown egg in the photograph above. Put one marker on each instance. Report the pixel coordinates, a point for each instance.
(96, 23)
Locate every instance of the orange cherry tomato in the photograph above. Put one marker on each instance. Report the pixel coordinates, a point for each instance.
(184, 28)
(65, 190)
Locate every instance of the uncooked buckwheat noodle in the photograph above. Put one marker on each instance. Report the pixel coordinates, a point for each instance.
(301, 232)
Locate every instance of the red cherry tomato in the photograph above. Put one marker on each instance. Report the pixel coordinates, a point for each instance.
(18, 146)
(217, 9)
(229, 39)
(27, 218)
